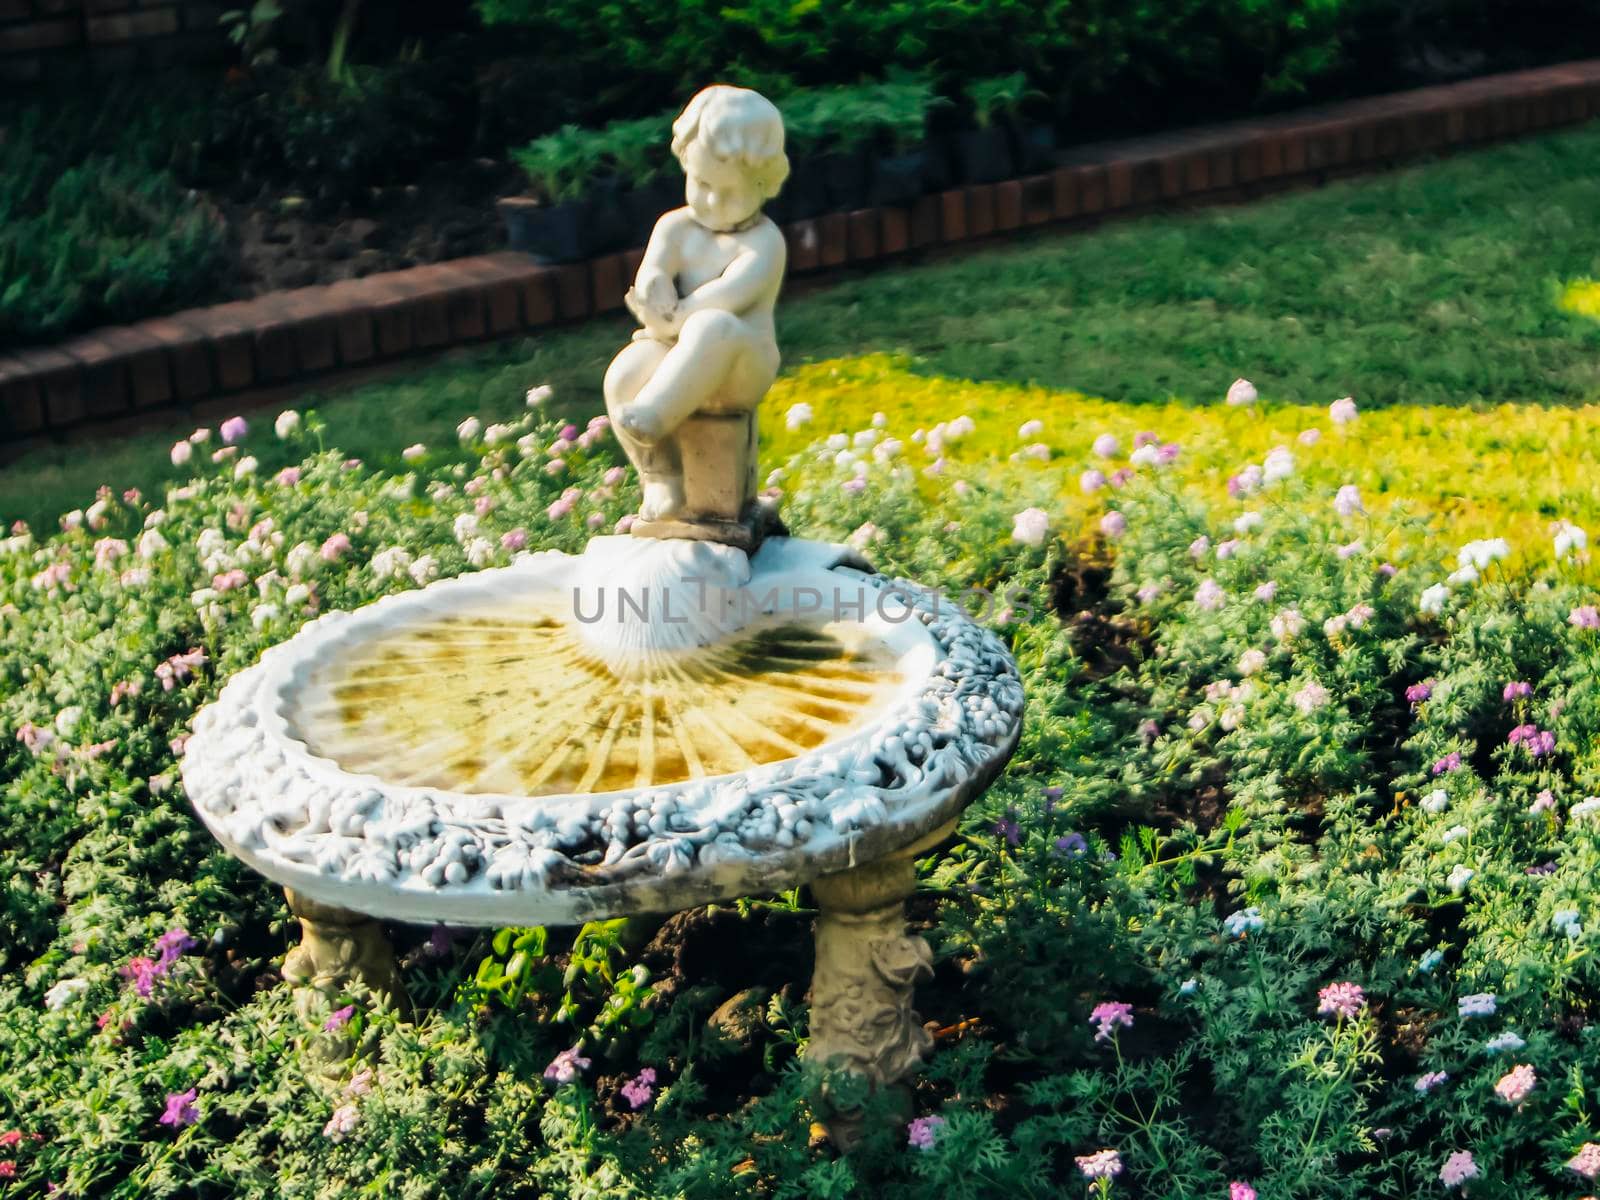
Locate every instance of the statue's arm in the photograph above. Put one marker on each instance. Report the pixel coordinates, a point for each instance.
(747, 280)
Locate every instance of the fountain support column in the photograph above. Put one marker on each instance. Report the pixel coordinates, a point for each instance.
(340, 952)
(867, 969)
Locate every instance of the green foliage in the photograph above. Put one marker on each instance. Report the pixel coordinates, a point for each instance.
(565, 164)
(997, 96)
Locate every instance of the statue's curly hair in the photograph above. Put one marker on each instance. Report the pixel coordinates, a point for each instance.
(738, 125)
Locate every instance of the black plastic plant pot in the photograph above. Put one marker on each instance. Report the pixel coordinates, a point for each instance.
(898, 178)
(984, 155)
(844, 174)
(804, 194)
(1036, 146)
(642, 206)
(938, 165)
(609, 227)
(552, 233)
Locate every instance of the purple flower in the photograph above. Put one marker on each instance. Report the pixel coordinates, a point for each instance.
(1538, 741)
(1107, 1016)
(639, 1090)
(234, 430)
(1102, 1164)
(1450, 762)
(1072, 845)
(181, 1109)
(1418, 692)
(922, 1132)
(1585, 616)
(1516, 691)
(1113, 524)
(172, 945)
(564, 1067)
(1007, 828)
(1458, 1169)
(339, 1019)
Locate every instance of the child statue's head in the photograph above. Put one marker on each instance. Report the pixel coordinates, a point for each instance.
(730, 143)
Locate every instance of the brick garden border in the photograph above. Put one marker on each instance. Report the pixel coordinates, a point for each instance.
(174, 362)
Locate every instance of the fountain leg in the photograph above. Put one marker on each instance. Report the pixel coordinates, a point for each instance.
(867, 969)
(340, 953)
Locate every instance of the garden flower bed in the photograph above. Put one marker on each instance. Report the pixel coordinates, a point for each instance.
(1286, 893)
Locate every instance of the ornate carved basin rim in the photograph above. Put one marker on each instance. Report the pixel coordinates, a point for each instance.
(429, 854)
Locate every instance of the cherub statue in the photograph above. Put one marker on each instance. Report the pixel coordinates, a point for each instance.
(682, 395)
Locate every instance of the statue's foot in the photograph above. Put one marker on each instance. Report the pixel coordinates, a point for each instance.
(663, 498)
(642, 423)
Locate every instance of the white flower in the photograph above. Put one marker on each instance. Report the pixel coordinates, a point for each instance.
(262, 614)
(887, 450)
(297, 594)
(1029, 430)
(496, 434)
(1433, 599)
(287, 424)
(67, 719)
(480, 551)
(1342, 412)
(468, 429)
(836, 442)
(865, 439)
(1279, 464)
(390, 561)
(1209, 597)
(1465, 577)
(1246, 920)
(798, 415)
(64, 993)
(413, 452)
(1569, 540)
(880, 420)
(1107, 446)
(1454, 834)
(863, 537)
(181, 453)
(1287, 624)
(1481, 553)
(538, 395)
(1505, 1041)
(1147, 455)
(1030, 527)
(1310, 698)
(466, 525)
(1584, 807)
(1247, 522)
(151, 543)
(1436, 801)
(1241, 391)
(1348, 502)
(1251, 661)
(1460, 875)
(424, 571)
(245, 466)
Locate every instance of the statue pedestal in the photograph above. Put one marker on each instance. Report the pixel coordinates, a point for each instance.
(715, 455)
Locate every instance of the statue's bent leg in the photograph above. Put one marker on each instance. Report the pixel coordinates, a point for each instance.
(867, 967)
(694, 372)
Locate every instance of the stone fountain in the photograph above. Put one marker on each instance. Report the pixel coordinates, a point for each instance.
(702, 709)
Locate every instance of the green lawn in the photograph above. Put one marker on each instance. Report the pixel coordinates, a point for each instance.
(1435, 284)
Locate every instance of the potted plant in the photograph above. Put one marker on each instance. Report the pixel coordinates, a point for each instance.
(571, 216)
(902, 172)
(640, 153)
(984, 152)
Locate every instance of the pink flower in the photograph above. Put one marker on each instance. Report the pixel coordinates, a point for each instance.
(1241, 392)
(177, 669)
(181, 1108)
(1426, 1083)
(514, 540)
(625, 523)
(1310, 698)
(1107, 1016)
(181, 453)
(1585, 616)
(1450, 762)
(1091, 481)
(1266, 591)
(1586, 1161)
(1107, 446)
(229, 580)
(1515, 1084)
(1342, 412)
(287, 477)
(638, 1090)
(1458, 1168)
(344, 1120)
(559, 509)
(615, 476)
(1519, 690)
(1343, 1000)
(1209, 597)
(1102, 1164)
(339, 1019)
(234, 430)
(335, 547)
(1113, 524)
(922, 1132)
(1241, 1191)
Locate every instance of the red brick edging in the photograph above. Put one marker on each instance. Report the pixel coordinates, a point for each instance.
(174, 361)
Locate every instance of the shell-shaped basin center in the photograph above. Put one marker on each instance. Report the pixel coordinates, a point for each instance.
(508, 700)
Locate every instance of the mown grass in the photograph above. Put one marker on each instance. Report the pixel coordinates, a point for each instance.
(1438, 285)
